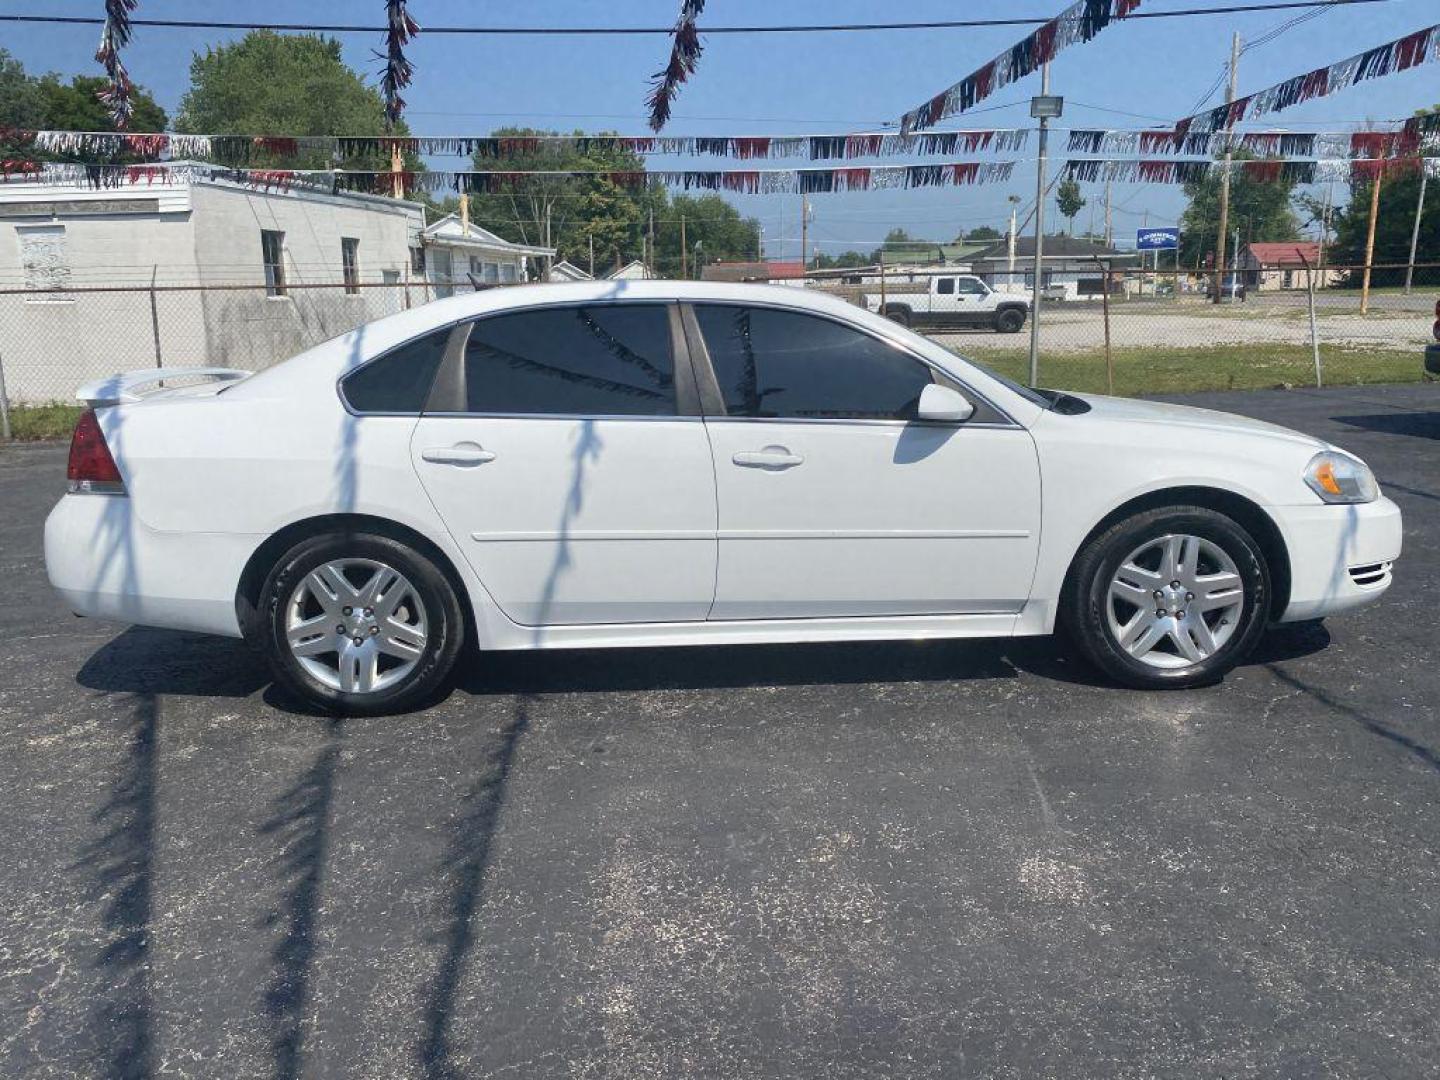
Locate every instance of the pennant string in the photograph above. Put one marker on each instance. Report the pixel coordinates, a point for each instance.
(1080, 22)
(400, 31)
(114, 36)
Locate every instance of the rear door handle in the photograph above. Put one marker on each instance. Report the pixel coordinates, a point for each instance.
(772, 457)
(464, 454)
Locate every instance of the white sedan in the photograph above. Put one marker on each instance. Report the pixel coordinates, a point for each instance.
(674, 463)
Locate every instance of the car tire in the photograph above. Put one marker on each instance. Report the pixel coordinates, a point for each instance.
(1138, 628)
(898, 315)
(1009, 321)
(385, 646)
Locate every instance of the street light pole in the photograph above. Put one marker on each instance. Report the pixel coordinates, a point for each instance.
(1044, 108)
(1415, 231)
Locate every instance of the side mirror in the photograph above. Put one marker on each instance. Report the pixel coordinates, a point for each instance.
(942, 403)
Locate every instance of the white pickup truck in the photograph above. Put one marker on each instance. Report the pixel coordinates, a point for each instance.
(951, 300)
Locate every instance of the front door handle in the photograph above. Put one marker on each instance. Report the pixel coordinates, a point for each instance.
(772, 457)
(461, 454)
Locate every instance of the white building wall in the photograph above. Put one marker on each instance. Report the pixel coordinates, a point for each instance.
(245, 328)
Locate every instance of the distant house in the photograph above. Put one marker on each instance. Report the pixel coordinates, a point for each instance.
(774, 271)
(634, 270)
(453, 256)
(1069, 265)
(564, 270)
(1266, 266)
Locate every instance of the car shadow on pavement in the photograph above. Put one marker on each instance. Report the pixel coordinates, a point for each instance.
(173, 662)
(1421, 425)
(719, 667)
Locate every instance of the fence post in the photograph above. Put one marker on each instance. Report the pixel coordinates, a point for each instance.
(155, 318)
(1314, 329)
(4, 404)
(1105, 307)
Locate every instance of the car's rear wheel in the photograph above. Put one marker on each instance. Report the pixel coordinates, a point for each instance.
(360, 624)
(1010, 321)
(1170, 598)
(899, 315)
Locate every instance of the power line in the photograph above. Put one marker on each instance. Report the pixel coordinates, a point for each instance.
(616, 31)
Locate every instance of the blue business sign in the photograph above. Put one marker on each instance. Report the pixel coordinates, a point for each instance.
(1157, 239)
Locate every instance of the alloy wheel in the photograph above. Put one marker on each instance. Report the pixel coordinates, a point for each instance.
(1175, 601)
(356, 625)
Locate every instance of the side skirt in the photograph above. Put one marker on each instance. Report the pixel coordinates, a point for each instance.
(913, 628)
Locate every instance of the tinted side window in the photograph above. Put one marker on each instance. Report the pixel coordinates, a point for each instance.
(599, 360)
(398, 382)
(945, 286)
(772, 363)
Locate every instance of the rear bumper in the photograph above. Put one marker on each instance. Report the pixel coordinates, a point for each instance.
(107, 564)
(1340, 556)
(1432, 359)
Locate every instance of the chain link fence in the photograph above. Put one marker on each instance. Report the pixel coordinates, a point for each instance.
(1150, 332)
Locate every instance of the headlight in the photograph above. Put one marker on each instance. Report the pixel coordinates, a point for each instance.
(1340, 478)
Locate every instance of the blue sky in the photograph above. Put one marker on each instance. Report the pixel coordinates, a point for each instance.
(1133, 75)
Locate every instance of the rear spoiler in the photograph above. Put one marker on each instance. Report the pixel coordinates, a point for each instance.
(123, 389)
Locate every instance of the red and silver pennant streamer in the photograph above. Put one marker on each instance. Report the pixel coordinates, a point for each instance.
(740, 181)
(1081, 21)
(114, 37)
(685, 52)
(1402, 54)
(400, 29)
(1168, 171)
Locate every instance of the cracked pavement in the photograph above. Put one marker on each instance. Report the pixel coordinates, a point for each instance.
(919, 860)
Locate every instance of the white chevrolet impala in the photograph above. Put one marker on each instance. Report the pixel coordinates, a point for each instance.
(671, 463)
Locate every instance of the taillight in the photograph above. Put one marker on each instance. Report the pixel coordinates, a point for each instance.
(1437, 320)
(92, 466)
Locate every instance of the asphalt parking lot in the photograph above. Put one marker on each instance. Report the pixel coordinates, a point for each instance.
(927, 860)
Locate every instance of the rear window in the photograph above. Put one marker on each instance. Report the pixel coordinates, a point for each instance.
(399, 381)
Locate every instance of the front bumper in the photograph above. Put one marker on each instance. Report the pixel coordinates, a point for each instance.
(1340, 556)
(104, 562)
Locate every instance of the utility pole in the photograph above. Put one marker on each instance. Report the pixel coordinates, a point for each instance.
(650, 260)
(1370, 238)
(465, 215)
(1043, 108)
(804, 231)
(1225, 176)
(1014, 205)
(1415, 230)
(591, 239)
(1324, 232)
(684, 251)
(1109, 224)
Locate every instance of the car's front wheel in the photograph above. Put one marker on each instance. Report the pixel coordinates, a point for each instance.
(360, 624)
(1170, 598)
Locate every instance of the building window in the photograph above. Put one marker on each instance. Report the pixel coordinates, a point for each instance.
(507, 274)
(272, 252)
(490, 273)
(417, 261)
(42, 258)
(350, 263)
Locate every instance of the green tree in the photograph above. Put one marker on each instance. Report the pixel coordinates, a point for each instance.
(48, 103)
(268, 83)
(846, 260)
(76, 105)
(567, 213)
(1260, 209)
(714, 232)
(980, 234)
(1399, 199)
(1069, 199)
